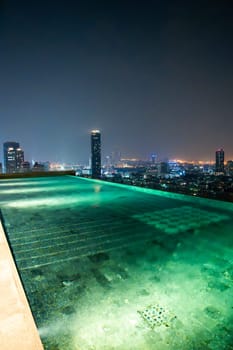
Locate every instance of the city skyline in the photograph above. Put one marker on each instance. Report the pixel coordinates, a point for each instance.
(155, 78)
(94, 160)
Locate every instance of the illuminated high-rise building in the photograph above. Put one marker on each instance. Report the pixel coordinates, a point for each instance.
(96, 154)
(219, 162)
(13, 157)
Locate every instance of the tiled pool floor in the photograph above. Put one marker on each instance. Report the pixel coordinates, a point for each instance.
(99, 261)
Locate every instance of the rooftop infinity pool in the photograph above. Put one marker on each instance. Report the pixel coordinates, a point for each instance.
(113, 267)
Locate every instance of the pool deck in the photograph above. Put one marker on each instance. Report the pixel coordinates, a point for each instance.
(17, 326)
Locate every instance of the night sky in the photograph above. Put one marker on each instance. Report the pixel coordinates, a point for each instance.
(153, 76)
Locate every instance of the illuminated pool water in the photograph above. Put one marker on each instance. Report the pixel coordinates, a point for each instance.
(110, 267)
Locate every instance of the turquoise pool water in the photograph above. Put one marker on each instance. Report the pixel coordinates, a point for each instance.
(108, 267)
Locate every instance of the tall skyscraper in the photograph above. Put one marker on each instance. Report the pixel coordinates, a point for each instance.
(219, 162)
(96, 154)
(13, 157)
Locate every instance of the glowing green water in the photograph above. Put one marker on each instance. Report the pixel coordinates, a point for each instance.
(97, 259)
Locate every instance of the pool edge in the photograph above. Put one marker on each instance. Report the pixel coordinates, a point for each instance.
(17, 327)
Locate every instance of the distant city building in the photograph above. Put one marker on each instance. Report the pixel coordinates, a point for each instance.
(0, 168)
(153, 158)
(38, 167)
(8, 163)
(25, 167)
(19, 155)
(163, 169)
(229, 168)
(13, 157)
(219, 161)
(108, 162)
(115, 158)
(96, 154)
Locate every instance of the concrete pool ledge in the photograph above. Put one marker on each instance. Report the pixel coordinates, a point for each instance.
(17, 326)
